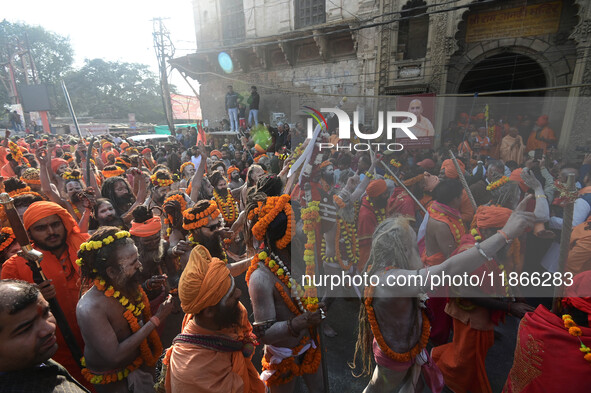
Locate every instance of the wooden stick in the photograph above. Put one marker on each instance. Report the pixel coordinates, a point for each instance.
(463, 180)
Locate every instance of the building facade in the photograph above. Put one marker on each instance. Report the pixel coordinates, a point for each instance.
(313, 52)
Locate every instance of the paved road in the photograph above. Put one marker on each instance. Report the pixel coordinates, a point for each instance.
(343, 317)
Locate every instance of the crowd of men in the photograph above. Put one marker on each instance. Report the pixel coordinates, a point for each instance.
(130, 234)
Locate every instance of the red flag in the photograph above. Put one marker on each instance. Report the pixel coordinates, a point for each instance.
(200, 134)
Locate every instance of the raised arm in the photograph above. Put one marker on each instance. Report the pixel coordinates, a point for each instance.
(468, 260)
(198, 176)
(542, 209)
(43, 157)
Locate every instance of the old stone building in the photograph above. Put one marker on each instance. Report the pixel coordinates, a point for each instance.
(312, 52)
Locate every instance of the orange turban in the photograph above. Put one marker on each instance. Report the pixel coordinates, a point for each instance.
(146, 151)
(491, 216)
(56, 163)
(216, 153)
(516, 177)
(43, 209)
(232, 169)
(106, 145)
(450, 168)
(376, 188)
(204, 281)
(259, 148)
(148, 228)
(123, 145)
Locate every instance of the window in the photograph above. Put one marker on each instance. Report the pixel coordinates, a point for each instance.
(413, 31)
(232, 21)
(309, 13)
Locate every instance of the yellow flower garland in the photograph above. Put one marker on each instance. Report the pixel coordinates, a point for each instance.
(97, 244)
(228, 206)
(576, 331)
(156, 182)
(496, 184)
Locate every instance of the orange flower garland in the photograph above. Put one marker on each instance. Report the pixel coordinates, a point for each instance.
(16, 152)
(229, 207)
(286, 370)
(185, 165)
(496, 184)
(6, 243)
(150, 348)
(375, 329)
(267, 213)
(202, 218)
(156, 182)
(576, 331)
(180, 199)
(113, 173)
(311, 217)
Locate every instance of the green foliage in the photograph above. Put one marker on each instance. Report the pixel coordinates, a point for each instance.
(101, 89)
(52, 53)
(111, 90)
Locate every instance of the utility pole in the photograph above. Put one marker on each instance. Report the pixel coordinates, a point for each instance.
(164, 50)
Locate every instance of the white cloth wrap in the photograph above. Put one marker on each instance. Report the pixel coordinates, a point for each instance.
(280, 353)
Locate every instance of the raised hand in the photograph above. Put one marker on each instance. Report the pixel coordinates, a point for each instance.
(520, 220)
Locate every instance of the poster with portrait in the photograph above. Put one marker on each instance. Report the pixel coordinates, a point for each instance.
(423, 107)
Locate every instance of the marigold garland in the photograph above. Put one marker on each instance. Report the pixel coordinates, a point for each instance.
(150, 348)
(97, 244)
(71, 176)
(156, 182)
(31, 176)
(228, 206)
(395, 163)
(19, 191)
(202, 218)
(268, 212)
(380, 213)
(286, 370)
(16, 152)
(6, 243)
(345, 231)
(375, 329)
(311, 217)
(186, 164)
(576, 331)
(113, 172)
(181, 200)
(496, 184)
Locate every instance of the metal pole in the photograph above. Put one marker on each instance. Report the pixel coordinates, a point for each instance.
(463, 180)
(414, 198)
(71, 108)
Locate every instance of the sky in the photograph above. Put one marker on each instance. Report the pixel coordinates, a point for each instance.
(113, 30)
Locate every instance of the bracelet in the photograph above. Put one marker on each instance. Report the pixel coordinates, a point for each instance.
(369, 175)
(155, 320)
(477, 245)
(502, 233)
(290, 328)
(542, 196)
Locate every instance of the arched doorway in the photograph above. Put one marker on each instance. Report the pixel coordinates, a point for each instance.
(505, 71)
